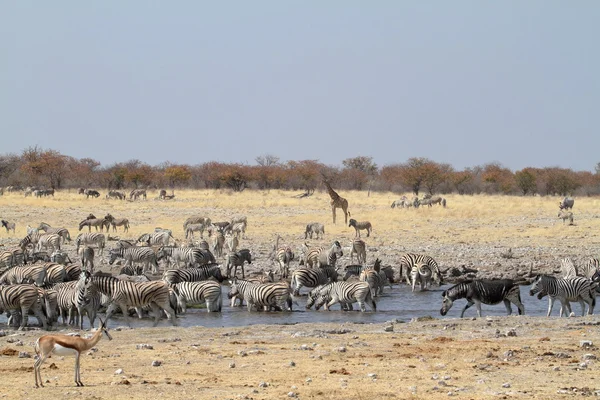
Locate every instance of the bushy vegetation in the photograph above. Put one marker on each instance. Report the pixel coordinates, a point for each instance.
(50, 168)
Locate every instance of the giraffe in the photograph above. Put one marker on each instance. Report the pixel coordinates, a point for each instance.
(337, 201)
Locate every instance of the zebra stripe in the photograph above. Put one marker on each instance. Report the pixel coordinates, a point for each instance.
(237, 259)
(319, 257)
(196, 220)
(191, 228)
(314, 228)
(231, 241)
(218, 243)
(91, 238)
(341, 292)
(284, 256)
(421, 273)
(95, 222)
(567, 268)
(277, 296)
(22, 298)
(408, 260)
(62, 232)
(360, 226)
(189, 293)
(486, 292)
(591, 266)
(49, 240)
(87, 254)
(25, 274)
(60, 257)
(142, 255)
(565, 290)
(187, 255)
(312, 277)
(201, 273)
(156, 238)
(360, 249)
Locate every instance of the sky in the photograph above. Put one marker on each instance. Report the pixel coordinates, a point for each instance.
(462, 82)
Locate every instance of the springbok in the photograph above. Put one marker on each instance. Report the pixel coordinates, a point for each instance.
(65, 345)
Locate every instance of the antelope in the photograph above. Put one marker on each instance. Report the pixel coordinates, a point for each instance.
(65, 345)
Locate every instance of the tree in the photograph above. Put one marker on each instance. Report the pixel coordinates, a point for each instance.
(358, 171)
(461, 180)
(177, 174)
(267, 160)
(235, 176)
(497, 178)
(526, 181)
(435, 174)
(47, 165)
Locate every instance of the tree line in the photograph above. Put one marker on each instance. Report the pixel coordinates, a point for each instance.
(49, 168)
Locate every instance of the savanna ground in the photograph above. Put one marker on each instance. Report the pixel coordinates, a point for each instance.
(504, 357)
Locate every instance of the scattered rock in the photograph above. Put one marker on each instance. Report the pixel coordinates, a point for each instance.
(24, 354)
(156, 363)
(144, 346)
(506, 385)
(119, 371)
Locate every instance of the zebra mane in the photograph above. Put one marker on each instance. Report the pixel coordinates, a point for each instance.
(457, 291)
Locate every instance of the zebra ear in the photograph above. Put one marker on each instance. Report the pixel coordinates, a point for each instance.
(444, 293)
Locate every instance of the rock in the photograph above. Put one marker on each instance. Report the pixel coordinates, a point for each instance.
(372, 375)
(586, 343)
(119, 371)
(263, 384)
(341, 349)
(232, 365)
(589, 356)
(292, 364)
(511, 332)
(156, 363)
(144, 346)
(24, 354)
(389, 328)
(506, 385)
(291, 394)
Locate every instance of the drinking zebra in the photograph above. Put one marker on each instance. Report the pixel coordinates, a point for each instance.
(237, 259)
(208, 292)
(91, 239)
(341, 292)
(483, 291)
(201, 273)
(408, 260)
(23, 298)
(124, 294)
(91, 192)
(9, 226)
(142, 255)
(360, 226)
(360, 249)
(314, 228)
(267, 296)
(312, 277)
(565, 290)
(86, 254)
(62, 232)
(319, 257)
(114, 222)
(115, 194)
(566, 203)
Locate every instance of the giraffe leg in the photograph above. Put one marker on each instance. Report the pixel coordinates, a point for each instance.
(333, 212)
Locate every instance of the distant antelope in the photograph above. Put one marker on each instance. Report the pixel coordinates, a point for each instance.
(65, 345)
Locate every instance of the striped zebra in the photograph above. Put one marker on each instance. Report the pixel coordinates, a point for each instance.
(132, 270)
(352, 270)
(156, 238)
(265, 296)
(191, 228)
(197, 220)
(218, 244)
(319, 257)
(142, 255)
(421, 273)
(62, 232)
(408, 260)
(137, 193)
(123, 244)
(567, 268)
(566, 215)
(114, 222)
(86, 254)
(55, 273)
(7, 260)
(72, 271)
(91, 239)
(115, 194)
(237, 259)
(360, 249)
(314, 228)
(25, 274)
(95, 222)
(59, 257)
(23, 298)
(30, 240)
(49, 240)
(124, 294)
(9, 226)
(589, 268)
(566, 290)
(361, 226)
(33, 257)
(208, 292)
(239, 219)
(201, 273)
(238, 229)
(312, 277)
(284, 256)
(373, 278)
(188, 255)
(31, 230)
(486, 292)
(76, 298)
(343, 293)
(231, 242)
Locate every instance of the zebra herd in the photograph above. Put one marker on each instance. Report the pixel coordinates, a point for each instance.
(427, 200)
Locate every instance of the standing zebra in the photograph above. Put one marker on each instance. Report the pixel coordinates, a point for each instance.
(567, 268)
(205, 221)
(408, 260)
(9, 226)
(124, 294)
(238, 229)
(91, 238)
(86, 254)
(277, 296)
(591, 266)
(191, 228)
(360, 226)
(360, 249)
(114, 222)
(95, 222)
(25, 274)
(319, 257)
(314, 228)
(566, 215)
(62, 232)
(231, 241)
(218, 243)
(566, 290)
(486, 292)
(187, 255)
(202, 273)
(341, 292)
(284, 255)
(421, 272)
(142, 255)
(373, 278)
(312, 277)
(237, 259)
(49, 240)
(160, 238)
(59, 257)
(22, 298)
(208, 292)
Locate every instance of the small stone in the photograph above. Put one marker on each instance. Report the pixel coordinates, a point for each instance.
(511, 332)
(342, 349)
(556, 369)
(263, 384)
(583, 365)
(372, 375)
(242, 353)
(156, 363)
(24, 354)
(451, 393)
(435, 377)
(389, 328)
(292, 364)
(304, 347)
(447, 378)
(506, 385)
(232, 365)
(119, 371)
(2, 333)
(586, 343)
(291, 394)
(589, 356)
(508, 354)
(308, 380)
(144, 346)
(442, 383)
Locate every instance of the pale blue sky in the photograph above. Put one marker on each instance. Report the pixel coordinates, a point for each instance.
(462, 82)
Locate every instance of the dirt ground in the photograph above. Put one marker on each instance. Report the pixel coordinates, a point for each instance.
(490, 357)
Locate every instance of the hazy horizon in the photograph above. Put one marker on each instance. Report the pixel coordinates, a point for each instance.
(465, 83)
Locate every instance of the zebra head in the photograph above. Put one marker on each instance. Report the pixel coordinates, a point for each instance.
(234, 289)
(313, 296)
(337, 249)
(446, 303)
(537, 286)
(114, 254)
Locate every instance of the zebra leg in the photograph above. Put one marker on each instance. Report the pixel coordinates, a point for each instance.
(469, 304)
(508, 307)
(40, 317)
(24, 317)
(550, 305)
(157, 312)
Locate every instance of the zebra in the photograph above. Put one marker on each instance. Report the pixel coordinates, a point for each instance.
(242, 219)
(62, 232)
(9, 226)
(231, 242)
(134, 294)
(33, 257)
(360, 226)
(264, 277)
(566, 215)
(31, 239)
(91, 238)
(188, 255)
(566, 290)
(567, 268)
(31, 230)
(591, 266)
(124, 244)
(156, 238)
(7, 259)
(55, 273)
(218, 243)
(22, 297)
(59, 257)
(115, 194)
(132, 270)
(360, 249)
(312, 277)
(49, 240)
(284, 256)
(80, 297)
(191, 228)
(86, 254)
(201, 273)
(314, 228)
(114, 222)
(238, 229)
(25, 274)
(422, 273)
(237, 259)
(208, 292)
(73, 272)
(352, 270)
(137, 193)
(483, 291)
(95, 222)
(400, 203)
(196, 220)
(143, 255)
(343, 293)
(277, 296)
(407, 260)
(372, 277)
(566, 203)
(318, 256)
(91, 192)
